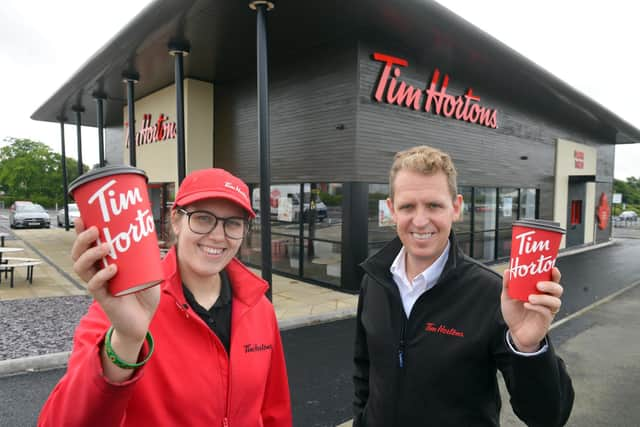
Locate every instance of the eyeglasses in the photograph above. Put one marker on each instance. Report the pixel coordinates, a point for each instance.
(204, 222)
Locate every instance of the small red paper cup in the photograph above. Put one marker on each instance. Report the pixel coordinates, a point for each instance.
(534, 249)
(116, 200)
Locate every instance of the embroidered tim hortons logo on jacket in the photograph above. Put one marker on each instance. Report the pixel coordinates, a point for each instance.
(442, 329)
(252, 348)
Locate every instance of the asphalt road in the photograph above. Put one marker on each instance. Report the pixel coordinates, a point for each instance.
(601, 349)
(318, 362)
(592, 275)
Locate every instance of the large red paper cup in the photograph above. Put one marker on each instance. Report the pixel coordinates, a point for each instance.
(116, 200)
(534, 249)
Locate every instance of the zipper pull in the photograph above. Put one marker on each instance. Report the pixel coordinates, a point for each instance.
(225, 422)
(401, 348)
(183, 308)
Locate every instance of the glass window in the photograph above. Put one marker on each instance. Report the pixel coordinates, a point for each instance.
(323, 232)
(463, 225)
(504, 243)
(484, 222)
(464, 242)
(484, 245)
(311, 209)
(250, 250)
(508, 206)
(381, 227)
(323, 261)
(528, 203)
(484, 209)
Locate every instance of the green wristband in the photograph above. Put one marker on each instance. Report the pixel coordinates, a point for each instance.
(121, 363)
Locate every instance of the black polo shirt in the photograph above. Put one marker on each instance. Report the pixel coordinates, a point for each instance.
(218, 317)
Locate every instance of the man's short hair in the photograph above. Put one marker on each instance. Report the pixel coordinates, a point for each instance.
(425, 160)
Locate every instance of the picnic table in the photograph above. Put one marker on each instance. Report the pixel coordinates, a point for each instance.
(10, 264)
(4, 250)
(2, 237)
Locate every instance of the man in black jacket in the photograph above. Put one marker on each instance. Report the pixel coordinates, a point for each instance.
(434, 325)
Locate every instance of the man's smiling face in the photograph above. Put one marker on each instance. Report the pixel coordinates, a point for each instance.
(424, 210)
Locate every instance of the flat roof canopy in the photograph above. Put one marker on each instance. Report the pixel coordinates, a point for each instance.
(222, 37)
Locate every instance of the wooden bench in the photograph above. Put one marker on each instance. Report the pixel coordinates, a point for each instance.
(11, 264)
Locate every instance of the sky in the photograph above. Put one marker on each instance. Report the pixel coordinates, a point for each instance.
(590, 45)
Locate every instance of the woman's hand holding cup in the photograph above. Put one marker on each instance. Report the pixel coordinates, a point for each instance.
(131, 314)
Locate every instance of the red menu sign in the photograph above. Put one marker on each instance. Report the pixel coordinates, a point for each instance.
(578, 159)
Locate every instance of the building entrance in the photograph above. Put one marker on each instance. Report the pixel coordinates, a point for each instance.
(161, 196)
(575, 213)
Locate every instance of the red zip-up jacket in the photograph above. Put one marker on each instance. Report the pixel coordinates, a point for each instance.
(189, 380)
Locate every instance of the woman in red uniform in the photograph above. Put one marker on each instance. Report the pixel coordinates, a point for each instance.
(202, 349)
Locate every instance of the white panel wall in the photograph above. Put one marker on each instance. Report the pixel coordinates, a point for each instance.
(565, 167)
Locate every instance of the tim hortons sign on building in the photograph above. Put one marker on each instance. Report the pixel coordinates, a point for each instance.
(161, 130)
(464, 107)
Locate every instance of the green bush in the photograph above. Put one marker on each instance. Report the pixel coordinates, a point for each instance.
(331, 200)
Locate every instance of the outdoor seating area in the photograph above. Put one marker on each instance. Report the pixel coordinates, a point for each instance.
(8, 266)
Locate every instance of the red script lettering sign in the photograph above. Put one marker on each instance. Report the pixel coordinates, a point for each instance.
(392, 90)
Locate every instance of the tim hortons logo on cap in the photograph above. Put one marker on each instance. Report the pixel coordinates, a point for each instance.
(527, 245)
(113, 204)
(236, 188)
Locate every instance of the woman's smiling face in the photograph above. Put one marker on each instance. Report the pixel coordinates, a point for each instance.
(205, 255)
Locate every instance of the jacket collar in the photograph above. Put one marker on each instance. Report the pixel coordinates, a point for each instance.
(246, 287)
(377, 266)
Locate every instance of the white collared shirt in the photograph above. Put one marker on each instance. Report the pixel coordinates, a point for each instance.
(410, 291)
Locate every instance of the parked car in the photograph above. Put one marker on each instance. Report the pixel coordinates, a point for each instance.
(73, 214)
(17, 203)
(29, 215)
(628, 216)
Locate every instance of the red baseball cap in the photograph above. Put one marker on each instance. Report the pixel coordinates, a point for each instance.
(214, 183)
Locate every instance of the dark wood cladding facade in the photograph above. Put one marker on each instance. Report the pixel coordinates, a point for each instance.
(327, 127)
(312, 100)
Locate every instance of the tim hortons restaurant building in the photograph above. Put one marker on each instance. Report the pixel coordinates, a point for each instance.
(349, 84)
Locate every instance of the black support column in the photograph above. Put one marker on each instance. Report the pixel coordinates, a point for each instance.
(261, 8)
(180, 49)
(78, 109)
(65, 185)
(100, 124)
(355, 233)
(130, 79)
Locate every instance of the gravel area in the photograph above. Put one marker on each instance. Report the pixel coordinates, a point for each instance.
(37, 326)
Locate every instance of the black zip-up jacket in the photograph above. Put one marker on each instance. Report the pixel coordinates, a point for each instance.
(438, 367)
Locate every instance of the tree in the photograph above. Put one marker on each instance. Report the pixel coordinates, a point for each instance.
(30, 170)
(630, 191)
